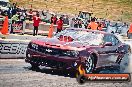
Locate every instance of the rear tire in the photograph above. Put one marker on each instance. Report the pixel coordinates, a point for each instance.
(124, 63)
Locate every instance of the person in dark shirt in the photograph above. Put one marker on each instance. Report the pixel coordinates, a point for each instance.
(30, 15)
(76, 23)
(80, 23)
(9, 13)
(52, 19)
(14, 11)
(66, 20)
(55, 19)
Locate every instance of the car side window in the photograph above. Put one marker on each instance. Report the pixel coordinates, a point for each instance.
(116, 41)
(112, 39)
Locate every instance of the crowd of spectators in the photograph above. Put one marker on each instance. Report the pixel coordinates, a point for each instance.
(17, 15)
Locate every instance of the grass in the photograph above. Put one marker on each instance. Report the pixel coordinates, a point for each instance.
(110, 9)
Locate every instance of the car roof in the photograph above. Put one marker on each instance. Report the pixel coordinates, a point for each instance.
(96, 31)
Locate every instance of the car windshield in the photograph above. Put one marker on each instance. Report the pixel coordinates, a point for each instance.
(84, 37)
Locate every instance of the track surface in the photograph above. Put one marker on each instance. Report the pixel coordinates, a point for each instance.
(17, 73)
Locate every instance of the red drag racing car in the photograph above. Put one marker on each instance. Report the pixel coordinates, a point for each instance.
(94, 50)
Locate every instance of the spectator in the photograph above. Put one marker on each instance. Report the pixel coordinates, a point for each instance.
(52, 19)
(124, 29)
(22, 19)
(86, 23)
(130, 32)
(59, 25)
(43, 16)
(80, 14)
(14, 19)
(55, 19)
(9, 12)
(43, 13)
(80, 23)
(72, 22)
(100, 26)
(30, 15)
(14, 11)
(0, 12)
(14, 6)
(92, 25)
(36, 21)
(66, 20)
(76, 23)
(107, 23)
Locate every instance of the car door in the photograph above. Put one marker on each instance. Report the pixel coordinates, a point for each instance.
(108, 54)
(113, 50)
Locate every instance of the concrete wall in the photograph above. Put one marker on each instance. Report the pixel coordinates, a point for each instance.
(42, 26)
(14, 46)
(23, 37)
(13, 49)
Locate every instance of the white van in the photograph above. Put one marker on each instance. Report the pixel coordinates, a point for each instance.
(4, 5)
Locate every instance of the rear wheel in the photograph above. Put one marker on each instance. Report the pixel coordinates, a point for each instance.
(124, 63)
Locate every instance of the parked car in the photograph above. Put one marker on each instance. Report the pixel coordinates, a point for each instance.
(94, 50)
(4, 6)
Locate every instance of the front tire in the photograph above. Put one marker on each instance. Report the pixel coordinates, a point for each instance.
(34, 66)
(89, 64)
(81, 79)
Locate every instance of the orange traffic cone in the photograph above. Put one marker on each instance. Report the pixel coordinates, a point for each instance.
(51, 29)
(5, 26)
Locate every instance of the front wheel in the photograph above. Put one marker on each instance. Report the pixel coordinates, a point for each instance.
(81, 79)
(89, 64)
(34, 66)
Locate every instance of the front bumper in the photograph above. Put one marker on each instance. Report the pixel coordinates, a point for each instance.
(52, 61)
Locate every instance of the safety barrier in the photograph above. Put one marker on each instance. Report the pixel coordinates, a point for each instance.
(13, 48)
(43, 26)
(17, 27)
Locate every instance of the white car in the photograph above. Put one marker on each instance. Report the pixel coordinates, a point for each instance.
(4, 5)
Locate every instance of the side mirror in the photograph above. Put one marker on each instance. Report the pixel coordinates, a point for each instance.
(107, 44)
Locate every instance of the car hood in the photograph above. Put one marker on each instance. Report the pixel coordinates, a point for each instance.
(56, 43)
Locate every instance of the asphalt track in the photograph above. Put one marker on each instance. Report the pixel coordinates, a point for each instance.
(17, 73)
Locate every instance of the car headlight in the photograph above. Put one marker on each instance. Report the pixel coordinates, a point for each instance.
(28, 55)
(71, 53)
(75, 53)
(34, 46)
